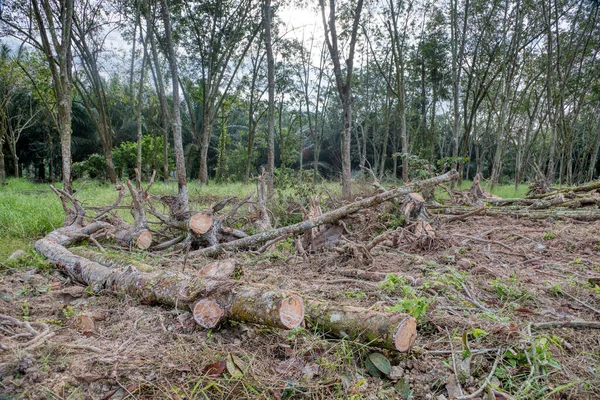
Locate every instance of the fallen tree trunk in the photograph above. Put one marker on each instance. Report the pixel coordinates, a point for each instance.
(277, 308)
(393, 331)
(381, 329)
(586, 214)
(575, 189)
(326, 218)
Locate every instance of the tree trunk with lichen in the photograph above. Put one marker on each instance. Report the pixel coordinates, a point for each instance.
(394, 331)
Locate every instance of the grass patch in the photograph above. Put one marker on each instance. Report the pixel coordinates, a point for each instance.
(504, 191)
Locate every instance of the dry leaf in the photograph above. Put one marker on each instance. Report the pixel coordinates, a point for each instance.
(215, 370)
(86, 324)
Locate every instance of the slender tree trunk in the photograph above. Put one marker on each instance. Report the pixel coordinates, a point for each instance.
(432, 125)
(271, 106)
(177, 137)
(207, 128)
(64, 119)
(386, 135)
(344, 84)
(162, 99)
(2, 165)
(594, 158)
(138, 111)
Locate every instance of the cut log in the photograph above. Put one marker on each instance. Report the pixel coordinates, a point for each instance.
(243, 302)
(201, 222)
(255, 304)
(144, 240)
(394, 331)
(575, 189)
(326, 218)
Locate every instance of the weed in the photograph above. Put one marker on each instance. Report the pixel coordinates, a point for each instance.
(549, 235)
(393, 282)
(577, 262)
(68, 312)
(510, 288)
(355, 294)
(555, 290)
(25, 309)
(414, 305)
(441, 281)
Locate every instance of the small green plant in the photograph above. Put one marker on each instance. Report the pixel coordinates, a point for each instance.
(356, 294)
(510, 288)
(25, 309)
(478, 333)
(577, 262)
(414, 305)
(555, 290)
(68, 312)
(542, 356)
(392, 282)
(549, 235)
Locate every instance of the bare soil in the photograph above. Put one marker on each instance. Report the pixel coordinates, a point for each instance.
(487, 280)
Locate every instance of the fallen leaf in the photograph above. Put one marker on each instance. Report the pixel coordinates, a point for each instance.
(215, 370)
(524, 310)
(89, 378)
(314, 354)
(86, 324)
(232, 366)
(311, 370)
(290, 366)
(380, 362)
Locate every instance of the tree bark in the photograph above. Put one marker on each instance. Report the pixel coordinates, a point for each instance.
(394, 331)
(267, 19)
(344, 84)
(177, 138)
(246, 303)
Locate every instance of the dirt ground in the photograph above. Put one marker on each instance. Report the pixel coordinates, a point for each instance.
(480, 288)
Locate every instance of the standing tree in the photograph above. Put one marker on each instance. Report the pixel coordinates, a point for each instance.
(343, 83)
(267, 19)
(47, 26)
(176, 116)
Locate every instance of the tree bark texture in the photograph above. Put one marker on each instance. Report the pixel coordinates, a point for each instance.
(394, 331)
(176, 117)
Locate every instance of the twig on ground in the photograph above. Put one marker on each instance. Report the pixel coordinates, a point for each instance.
(37, 336)
(582, 303)
(473, 300)
(567, 324)
(271, 243)
(454, 363)
(487, 380)
(483, 240)
(463, 216)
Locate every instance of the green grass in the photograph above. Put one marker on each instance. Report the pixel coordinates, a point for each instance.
(504, 191)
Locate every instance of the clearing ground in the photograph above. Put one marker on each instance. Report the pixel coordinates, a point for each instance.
(483, 293)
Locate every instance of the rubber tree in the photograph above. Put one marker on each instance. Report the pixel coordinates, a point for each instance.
(343, 80)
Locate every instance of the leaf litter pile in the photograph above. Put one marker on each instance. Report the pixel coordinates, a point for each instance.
(506, 307)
